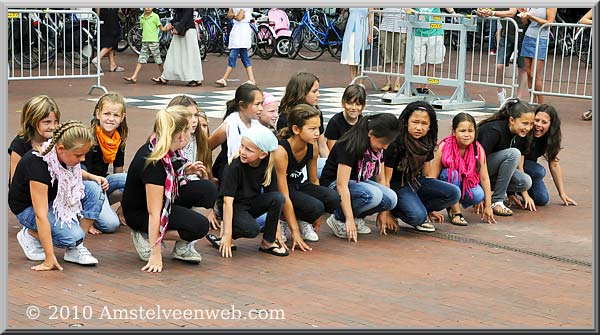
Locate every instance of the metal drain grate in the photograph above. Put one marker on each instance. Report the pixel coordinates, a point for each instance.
(463, 239)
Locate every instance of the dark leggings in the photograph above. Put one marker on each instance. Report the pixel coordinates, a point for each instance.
(189, 224)
(244, 216)
(310, 201)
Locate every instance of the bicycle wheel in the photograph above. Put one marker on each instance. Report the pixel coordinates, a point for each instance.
(134, 37)
(254, 45)
(202, 41)
(335, 49)
(296, 41)
(311, 46)
(266, 42)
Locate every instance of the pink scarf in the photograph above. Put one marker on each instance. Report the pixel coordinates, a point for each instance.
(67, 204)
(465, 166)
(368, 166)
(172, 183)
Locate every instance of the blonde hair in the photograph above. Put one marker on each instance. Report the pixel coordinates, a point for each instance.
(168, 123)
(270, 164)
(203, 153)
(113, 98)
(71, 134)
(35, 110)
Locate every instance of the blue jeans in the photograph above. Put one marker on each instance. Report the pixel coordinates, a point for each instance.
(466, 200)
(433, 195)
(538, 191)
(233, 54)
(116, 182)
(367, 197)
(504, 175)
(65, 236)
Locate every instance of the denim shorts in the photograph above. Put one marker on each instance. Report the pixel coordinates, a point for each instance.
(528, 48)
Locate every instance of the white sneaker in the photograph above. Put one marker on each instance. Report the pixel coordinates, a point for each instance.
(361, 226)
(80, 255)
(308, 232)
(285, 231)
(338, 227)
(32, 247)
(501, 97)
(185, 251)
(141, 244)
(426, 227)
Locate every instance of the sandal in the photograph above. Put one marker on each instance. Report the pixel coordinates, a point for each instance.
(587, 116)
(130, 80)
(503, 211)
(117, 69)
(272, 251)
(216, 242)
(386, 87)
(221, 82)
(194, 83)
(159, 80)
(461, 220)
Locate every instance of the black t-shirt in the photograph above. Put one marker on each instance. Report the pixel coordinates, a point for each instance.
(134, 196)
(94, 161)
(244, 182)
(338, 155)
(392, 158)
(294, 169)
(19, 146)
(537, 149)
(337, 126)
(495, 136)
(34, 168)
(282, 122)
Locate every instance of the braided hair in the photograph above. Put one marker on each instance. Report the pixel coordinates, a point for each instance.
(72, 134)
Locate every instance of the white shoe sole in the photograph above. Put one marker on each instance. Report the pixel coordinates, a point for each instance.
(189, 260)
(30, 256)
(333, 229)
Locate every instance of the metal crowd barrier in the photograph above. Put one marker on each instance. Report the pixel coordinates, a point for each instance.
(53, 44)
(567, 68)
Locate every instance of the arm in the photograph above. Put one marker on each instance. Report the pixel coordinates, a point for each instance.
(330, 144)
(281, 164)
(435, 166)
(226, 228)
(154, 202)
(14, 160)
(239, 16)
(384, 219)
(92, 177)
(556, 172)
(118, 170)
(484, 180)
(587, 18)
(371, 19)
(230, 14)
(550, 16)
(39, 200)
(323, 148)
(218, 137)
(343, 177)
(313, 177)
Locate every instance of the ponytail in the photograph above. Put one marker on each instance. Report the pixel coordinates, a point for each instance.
(168, 123)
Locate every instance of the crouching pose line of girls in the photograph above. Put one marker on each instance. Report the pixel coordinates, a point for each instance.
(354, 161)
(460, 160)
(158, 198)
(241, 200)
(546, 142)
(504, 136)
(407, 165)
(306, 201)
(109, 130)
(51, 200)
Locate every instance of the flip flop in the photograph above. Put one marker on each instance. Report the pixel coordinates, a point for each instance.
(159, 80)
(272, 251)
(221, 82)
(461, 221)
(194, 83)
(117, 69)
(587, 116)
(130, 80)
(216, 241)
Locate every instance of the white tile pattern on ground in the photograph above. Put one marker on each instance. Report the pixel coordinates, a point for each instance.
(330, 103)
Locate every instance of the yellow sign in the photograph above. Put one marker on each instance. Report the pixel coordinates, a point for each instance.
(433, 81)
(437, 18)
(13, 15)
(435, 25)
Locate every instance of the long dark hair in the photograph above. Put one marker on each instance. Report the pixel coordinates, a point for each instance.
(554, 135)
(244, 95)
(461, 117)
(296, 91)
(382, 125)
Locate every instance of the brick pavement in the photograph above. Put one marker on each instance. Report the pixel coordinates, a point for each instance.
(409, 280)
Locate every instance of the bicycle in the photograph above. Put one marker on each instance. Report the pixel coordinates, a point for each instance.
(265, 36)
(314, 38)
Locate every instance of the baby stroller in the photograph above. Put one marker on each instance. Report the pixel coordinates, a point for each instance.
(282, 30)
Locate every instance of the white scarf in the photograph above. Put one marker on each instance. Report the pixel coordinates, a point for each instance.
(67, 204)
